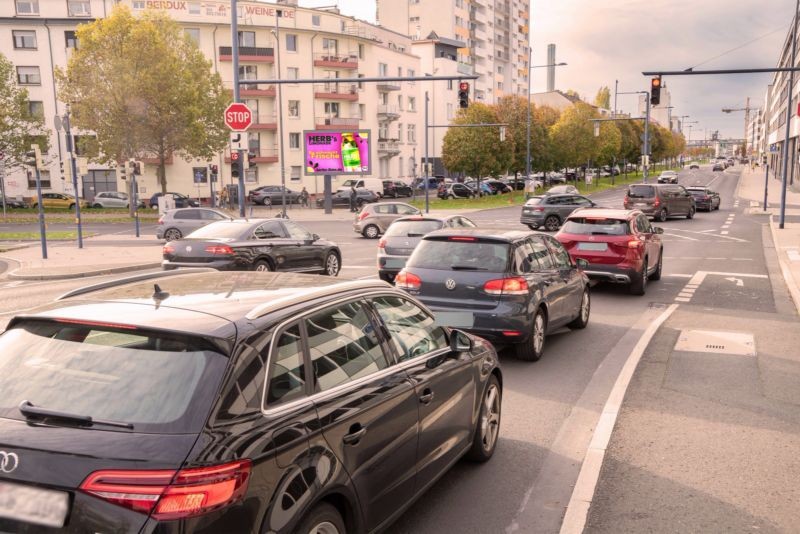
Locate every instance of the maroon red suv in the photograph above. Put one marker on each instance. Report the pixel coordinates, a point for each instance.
(621, 246)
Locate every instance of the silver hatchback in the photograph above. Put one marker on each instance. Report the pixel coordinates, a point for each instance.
(175, 224)
(374, 219)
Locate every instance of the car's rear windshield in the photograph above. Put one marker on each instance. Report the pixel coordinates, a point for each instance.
(533, 201)
(221, 230)
(413, 228)
(447, 255)
(697, 192)
(158, 382)
(641, 191)
(595, 226)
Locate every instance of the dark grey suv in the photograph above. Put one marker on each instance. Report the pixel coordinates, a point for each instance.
(660, 201)
(510, 287)
(551, 210)
(205, 402)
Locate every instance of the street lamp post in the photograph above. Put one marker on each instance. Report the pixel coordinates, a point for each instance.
(528, 143)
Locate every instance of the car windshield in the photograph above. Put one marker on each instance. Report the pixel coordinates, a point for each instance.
(413, 228)
(641, 191)
(595, 226)
(155, 381)
(460, 255)
(222, 230)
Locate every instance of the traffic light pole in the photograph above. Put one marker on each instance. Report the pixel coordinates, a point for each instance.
(427, 161)
(41, 212)
(69, 141)
(646, 144)
(236, 96)
(135, 202)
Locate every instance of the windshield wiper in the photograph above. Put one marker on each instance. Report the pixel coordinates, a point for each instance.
(30, 411)
(467, 268)
(412, 234)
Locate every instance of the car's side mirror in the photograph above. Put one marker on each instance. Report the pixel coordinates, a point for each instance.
(315, 237)
(460, 342)
(581, 263)
(658, 230)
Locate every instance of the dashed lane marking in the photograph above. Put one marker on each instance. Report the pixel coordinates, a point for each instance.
(724, 232)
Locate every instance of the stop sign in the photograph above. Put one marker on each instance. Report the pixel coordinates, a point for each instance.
(238, 117)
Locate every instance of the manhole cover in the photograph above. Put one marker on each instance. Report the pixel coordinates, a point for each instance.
(716, 342)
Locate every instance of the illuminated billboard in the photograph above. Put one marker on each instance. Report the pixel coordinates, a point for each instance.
(337, 152)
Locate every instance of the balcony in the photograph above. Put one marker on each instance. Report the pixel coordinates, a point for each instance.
(465, 68)
(336, 91)
(264, 122)
(248, 54)
(252, 89)
(388, 112)
(389, 147)
(336, 123)
(262, 155)
(389, 86)
(337, 61)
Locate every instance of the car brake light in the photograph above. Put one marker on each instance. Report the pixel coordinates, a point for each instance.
(382, 243)
(506, 286)
(219, 250)
(101, 324)
(461, 238)
(405, 280)
(657, 202)
(161, 220)
(636, 243)
(167, 494)
(168, 249)
(363, 215)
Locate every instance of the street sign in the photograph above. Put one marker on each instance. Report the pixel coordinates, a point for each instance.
(238, 117)
(237, 141)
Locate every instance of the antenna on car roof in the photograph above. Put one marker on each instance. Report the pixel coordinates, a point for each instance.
(159, 295)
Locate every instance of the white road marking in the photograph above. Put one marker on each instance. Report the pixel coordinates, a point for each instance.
(726, 226)
(716, 259)
(724, 232)
(681, 299)
(738, 281)
(686, 296)
(724, 237)
(677, 276)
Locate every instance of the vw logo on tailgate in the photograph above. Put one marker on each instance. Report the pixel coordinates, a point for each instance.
(450, 284)
(8, 461)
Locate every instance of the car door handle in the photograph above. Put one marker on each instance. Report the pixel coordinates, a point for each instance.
(426, 397)
(356, 433)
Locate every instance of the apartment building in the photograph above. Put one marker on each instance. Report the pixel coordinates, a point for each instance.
(305, 43)
(495, 34)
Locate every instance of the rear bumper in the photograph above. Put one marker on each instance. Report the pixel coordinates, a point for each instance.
(532, 218)
(220, 265)
(617, 274)
(649, 210)
(509, 322)
(391, 265)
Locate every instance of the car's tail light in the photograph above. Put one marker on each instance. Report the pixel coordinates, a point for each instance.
(626, 201)
(706, 197)
(506, 286)
(219, 250)
(382, 243)
(363, 215)
(168, 249)
(657, 202)
(161, 220)
(538, 209)
(461, 238)
(405, 280)
(635, 243)
(168, 494)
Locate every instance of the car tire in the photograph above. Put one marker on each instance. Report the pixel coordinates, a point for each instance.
(639, 284)
(582, 319)
(97, 206)
(487, 429)
(172, 234)
(371, 231)
(263, 266)
(266, 201)
(533, 226)
(657, 275)
(690, 215)
(662, 215)
(552, 223)
(332, 264)
(531, 350)
(323, 518)
(71, 206)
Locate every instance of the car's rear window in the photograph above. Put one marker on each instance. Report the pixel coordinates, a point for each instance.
(446, 255)
(413, 228)
(697, 192)
(595, 226)
(641, 191)
(158, 382)
(533, 201)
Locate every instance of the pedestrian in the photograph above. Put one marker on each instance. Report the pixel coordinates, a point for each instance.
(304, 198)
(223, 198)
(353, 199)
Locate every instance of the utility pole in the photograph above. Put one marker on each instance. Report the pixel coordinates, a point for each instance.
(69, 141)
(236, 95)
(282, 164)
(646, 144)
(528, 138)
(427, 161)
(616, 89)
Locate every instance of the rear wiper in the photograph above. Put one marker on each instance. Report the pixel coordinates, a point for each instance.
(30, 411)
(411, 234)
(467, 268)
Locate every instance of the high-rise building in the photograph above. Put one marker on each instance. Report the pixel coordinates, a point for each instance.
(494, 32)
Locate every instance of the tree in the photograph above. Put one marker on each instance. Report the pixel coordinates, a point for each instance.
(608, 143)
(603, 98)
(18, 127)
(630, 140)
(573, 136)
(477, 152)
(513, 110)
(145, 89)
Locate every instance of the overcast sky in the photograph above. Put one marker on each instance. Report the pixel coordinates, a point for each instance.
(618, 39)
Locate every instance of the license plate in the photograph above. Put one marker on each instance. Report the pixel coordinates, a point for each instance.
(640, 204)
(33, 505)
(455, 319)
(592, 246)
(395, 263)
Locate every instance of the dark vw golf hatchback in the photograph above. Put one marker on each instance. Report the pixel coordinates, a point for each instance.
(198, 401)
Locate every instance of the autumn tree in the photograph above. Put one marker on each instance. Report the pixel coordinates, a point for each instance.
(603, 98)
(477, 152)
(145, 89)
(573, 136)
(513, 110)
(18, 126)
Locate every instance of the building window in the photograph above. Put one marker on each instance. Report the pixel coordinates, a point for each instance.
(414, 20)
(79, 8)
(399, 135)
(400, 162)
(449, 111)
(138, 4)
(291, 42)
(361, 51)
(28, 76)
(500, 86)
(252, 104)
(292, 73)
(400, 102)
(330, 45)
(412, 103)
(254, 142)
(44, 177)
(295, 173)
(193, 34)
(362, 111)
(315, 20)
(449, 85)
(412, 133)
(411, 73)
(383, 69)
(360, 84)
(195, 8)
(251, 175)
(24, 39)
(36, 109)
(247, 38)
(294, 109)
(27, 7)
(383, 131)
(499, 69)
(70, 40)
(294, 140)
(248, 72)
(331, 109)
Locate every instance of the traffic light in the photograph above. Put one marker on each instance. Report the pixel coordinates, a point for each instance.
(249, 161)
(655, 91)
(30, 158)
(235, 163)
(123, 171)
(136, 167)
(66, 170)
(213, 171)
(463, 95)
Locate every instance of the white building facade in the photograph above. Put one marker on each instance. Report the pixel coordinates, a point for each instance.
(310, 43)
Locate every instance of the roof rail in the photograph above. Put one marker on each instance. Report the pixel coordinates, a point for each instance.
(135, 278)
(313, 293)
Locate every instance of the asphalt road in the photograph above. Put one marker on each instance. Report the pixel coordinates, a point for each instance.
(527, 484)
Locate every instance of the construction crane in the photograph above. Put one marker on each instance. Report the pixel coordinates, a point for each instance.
(747, 109)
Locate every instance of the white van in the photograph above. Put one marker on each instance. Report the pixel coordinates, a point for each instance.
(370, 184)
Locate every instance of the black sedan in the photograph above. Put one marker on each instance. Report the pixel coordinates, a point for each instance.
(454, 190)
(11, 202)
(342, 198)
(705, 198)
(181, 201)
(254, 245)
(396, 189)
(509, 287)
(273, 194)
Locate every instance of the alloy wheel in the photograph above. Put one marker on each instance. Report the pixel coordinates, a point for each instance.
(490, 418)
(585, 304)
(552, 223)
(332, 265)
(326, 527)
(172, 234)
(538, 333)
(371, 231)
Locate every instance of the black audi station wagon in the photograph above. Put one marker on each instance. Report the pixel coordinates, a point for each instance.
(198, 401)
